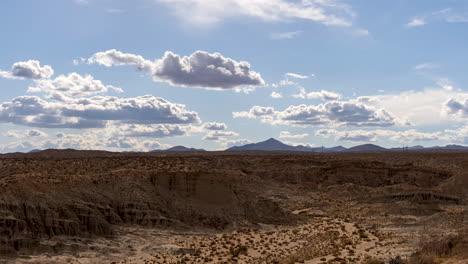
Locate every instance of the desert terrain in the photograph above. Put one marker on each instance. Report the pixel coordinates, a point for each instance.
(66, 206)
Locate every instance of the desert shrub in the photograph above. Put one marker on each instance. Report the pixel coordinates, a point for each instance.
(440, 247)
(238, 250)
(397, 260)
(443, 246)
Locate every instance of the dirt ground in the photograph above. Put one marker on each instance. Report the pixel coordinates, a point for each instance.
(253, 208)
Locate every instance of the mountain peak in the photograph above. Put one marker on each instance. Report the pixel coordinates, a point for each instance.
(271, 140)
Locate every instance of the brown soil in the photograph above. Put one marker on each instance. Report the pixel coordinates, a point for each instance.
(228, 207)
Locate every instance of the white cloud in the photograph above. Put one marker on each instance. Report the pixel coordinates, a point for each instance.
(285, 35)
(26, 133)
(72, 84)
(214, 126)
(416, 22)
(426, 66)
(449, 15)
(353, 136)
(333, 113)
(117, 58)
(407, 136)
(254, 112)
(323, 95)
(85, 141)
(295, 75)
(445, 84)
(287, 81)
(287, 134)
(422, 108)
(30, 69)
(276, 95)
(20, 146)
(298, 144)
(236, 142)
(201, 69)
(205, 12)
(219, 135)
(457, 107)
(94, 112)
(35, 133)
(150, 131)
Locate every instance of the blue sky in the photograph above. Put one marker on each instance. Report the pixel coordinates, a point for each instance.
(145, 74)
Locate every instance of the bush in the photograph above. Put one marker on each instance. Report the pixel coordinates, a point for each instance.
(238, 250)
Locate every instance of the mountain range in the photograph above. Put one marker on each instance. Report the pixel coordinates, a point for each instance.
(275, 145)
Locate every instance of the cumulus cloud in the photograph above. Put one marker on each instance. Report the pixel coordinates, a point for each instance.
(117, 58)
(151, 131)
(236, 142)
(94, 141)
(458, 107)
(354, 136)
(287, 134)
(338, 113)
(85, 141)
(421, 108)
(35, 133)
(21, 146)
(30, 69)
(323, 95)
(406, 136)
(201, 69)
(26, 133)
(255, 111)
(331, 113)
(214, 126)
(72, 84)
(202, 12)
(276, 95)
(219, 135)
(94, 112)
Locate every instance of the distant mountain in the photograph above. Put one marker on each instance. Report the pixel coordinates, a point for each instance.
(178, 148)
(34, 150)
(413, 148)
(366, 148)
(335, 149)
(451, 147)
(269, 145)
(456, 147)
(418, 147)
(275, 145)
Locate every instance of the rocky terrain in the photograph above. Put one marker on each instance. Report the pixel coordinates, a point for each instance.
(65, 206)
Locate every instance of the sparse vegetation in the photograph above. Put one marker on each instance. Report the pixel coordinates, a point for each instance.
(200, 209)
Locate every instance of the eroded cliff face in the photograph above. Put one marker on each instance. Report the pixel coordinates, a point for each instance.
(88, 197)
(33, 208)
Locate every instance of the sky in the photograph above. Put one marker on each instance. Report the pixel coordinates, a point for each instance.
(140, 75)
